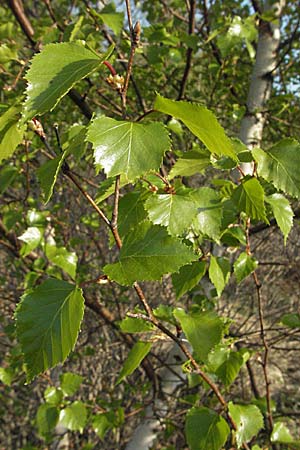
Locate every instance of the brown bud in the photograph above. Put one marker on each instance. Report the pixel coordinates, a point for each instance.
(137, 33)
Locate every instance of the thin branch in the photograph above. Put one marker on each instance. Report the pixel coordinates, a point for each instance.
(189, 51)
(18, 10)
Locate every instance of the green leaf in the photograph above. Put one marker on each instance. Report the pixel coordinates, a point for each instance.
(32, 237)
(136, 355)
(148, 252)
(219, 273)
(47, 322)
(243, 266)
(291, 320)
(47, 175)
(194, 161)
(205, 429)
(280, 165)
(188, 277)
(53, 396)
(7, 177)
(248, 419)
(281, 434)
(46, 418)
(127, 148)
(70, 383)
(249, 198)
(135, 325)
(174, 211)
(283, 213)
(6, 375)
(111, 18)
(75, 141)
(131, 212)
(203, 330)
(201, 122)
(101, 424)
(74, 417)
(209, 217)
(229, 369)
(62, 258)
(54, 71)
(11, 132)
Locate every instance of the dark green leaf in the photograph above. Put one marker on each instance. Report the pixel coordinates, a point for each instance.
(249, 198)
(249, 421)
(74, 417)
(280, 165)
(46, 418)
(131, 212)
(283, 213)
(70, 383)
(203, 330)
(174, 211)
(291, 320)
(54, 71)
(201, 122)
(134, 359)
(127, 148)
(7, 177)
(47, 175)
(148, 252)
(47, 321)
(219, 273)
(188, 277)
(11, 133)
(205, 429)
(243, 266)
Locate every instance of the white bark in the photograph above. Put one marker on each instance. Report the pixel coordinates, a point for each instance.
(262, 76)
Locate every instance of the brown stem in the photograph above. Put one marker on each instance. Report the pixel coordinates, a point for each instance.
(189, 51)
(18, 10)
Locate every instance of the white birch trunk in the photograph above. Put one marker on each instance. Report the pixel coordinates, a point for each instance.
(261, 81)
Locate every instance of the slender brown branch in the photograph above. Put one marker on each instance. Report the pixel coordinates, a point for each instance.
(18, 10)
(189, 51)
(52, 15)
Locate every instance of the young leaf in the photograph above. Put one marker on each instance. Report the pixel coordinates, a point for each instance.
(229, 369)
(32, 237)
(209, 217)
(148, 252)
(46, 418)
(127, 148)
(136, 355)
(11, 132)
(203, 330)
(7, 177)
(283, 213)
(291, 320)
(135, 325)
(74, 417)
(282, 434)
(248, 419)
(194, 161)
(47, 322)
(280, 165)
(70, 383)
(101, 424)
(205, 429)
(54, 71)
(47, 175)
(188, 277)
(201, 122)
(243, 266)
(249, 198)
(219, 273)
(62, 258)
(174, 211)
(53, 396)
